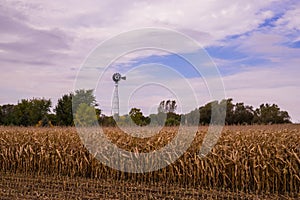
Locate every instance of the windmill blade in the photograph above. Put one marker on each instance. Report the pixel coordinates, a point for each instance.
(124, 77)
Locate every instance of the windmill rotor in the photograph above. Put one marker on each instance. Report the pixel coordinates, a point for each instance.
(117, 77)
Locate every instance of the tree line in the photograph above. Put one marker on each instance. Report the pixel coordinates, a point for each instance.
(81, 108)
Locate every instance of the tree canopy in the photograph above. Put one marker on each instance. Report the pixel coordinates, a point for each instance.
(63, 109)
(81, 107)
(28, 112)
(240, 113)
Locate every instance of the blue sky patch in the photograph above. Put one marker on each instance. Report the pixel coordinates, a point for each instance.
(225, 52)
(174, 61)
(270, 22)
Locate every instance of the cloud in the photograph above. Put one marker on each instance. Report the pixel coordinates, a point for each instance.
(23, 40)
(289, 21)
(102, 19)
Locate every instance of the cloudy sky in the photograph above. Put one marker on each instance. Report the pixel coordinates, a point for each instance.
(254, 44)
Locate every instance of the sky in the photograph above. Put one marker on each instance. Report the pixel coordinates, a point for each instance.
(255, 46)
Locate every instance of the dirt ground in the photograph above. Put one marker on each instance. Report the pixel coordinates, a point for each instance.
(20, 186)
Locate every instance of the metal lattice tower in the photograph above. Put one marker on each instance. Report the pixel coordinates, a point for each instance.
(115, 103)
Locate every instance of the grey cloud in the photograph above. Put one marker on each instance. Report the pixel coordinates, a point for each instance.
(31, 43)
(33, 62)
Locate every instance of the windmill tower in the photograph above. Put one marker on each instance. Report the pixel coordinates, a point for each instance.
(115, 103)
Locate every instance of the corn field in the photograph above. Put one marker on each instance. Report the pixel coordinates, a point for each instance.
(258, 160)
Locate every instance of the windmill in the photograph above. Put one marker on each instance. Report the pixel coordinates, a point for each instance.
(115, 103)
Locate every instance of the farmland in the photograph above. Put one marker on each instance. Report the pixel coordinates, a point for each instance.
(247, 162)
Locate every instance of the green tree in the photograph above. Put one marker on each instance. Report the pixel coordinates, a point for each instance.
(158, 119)
(107, 121)
(167, 106)
(161, 107)
(52, 118)
(205, 112)
(138, 118)
(173, 119)
(214, 112)
(243, 114)
(124, 120)
(166, 113)
(271, 114)
(63, 110)
(85, 115)
(192, 118)
(30, 112)
(229, 119)
(83, 96)
(40, 109)
(68, 104)
(7, 114)
(22, 113)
